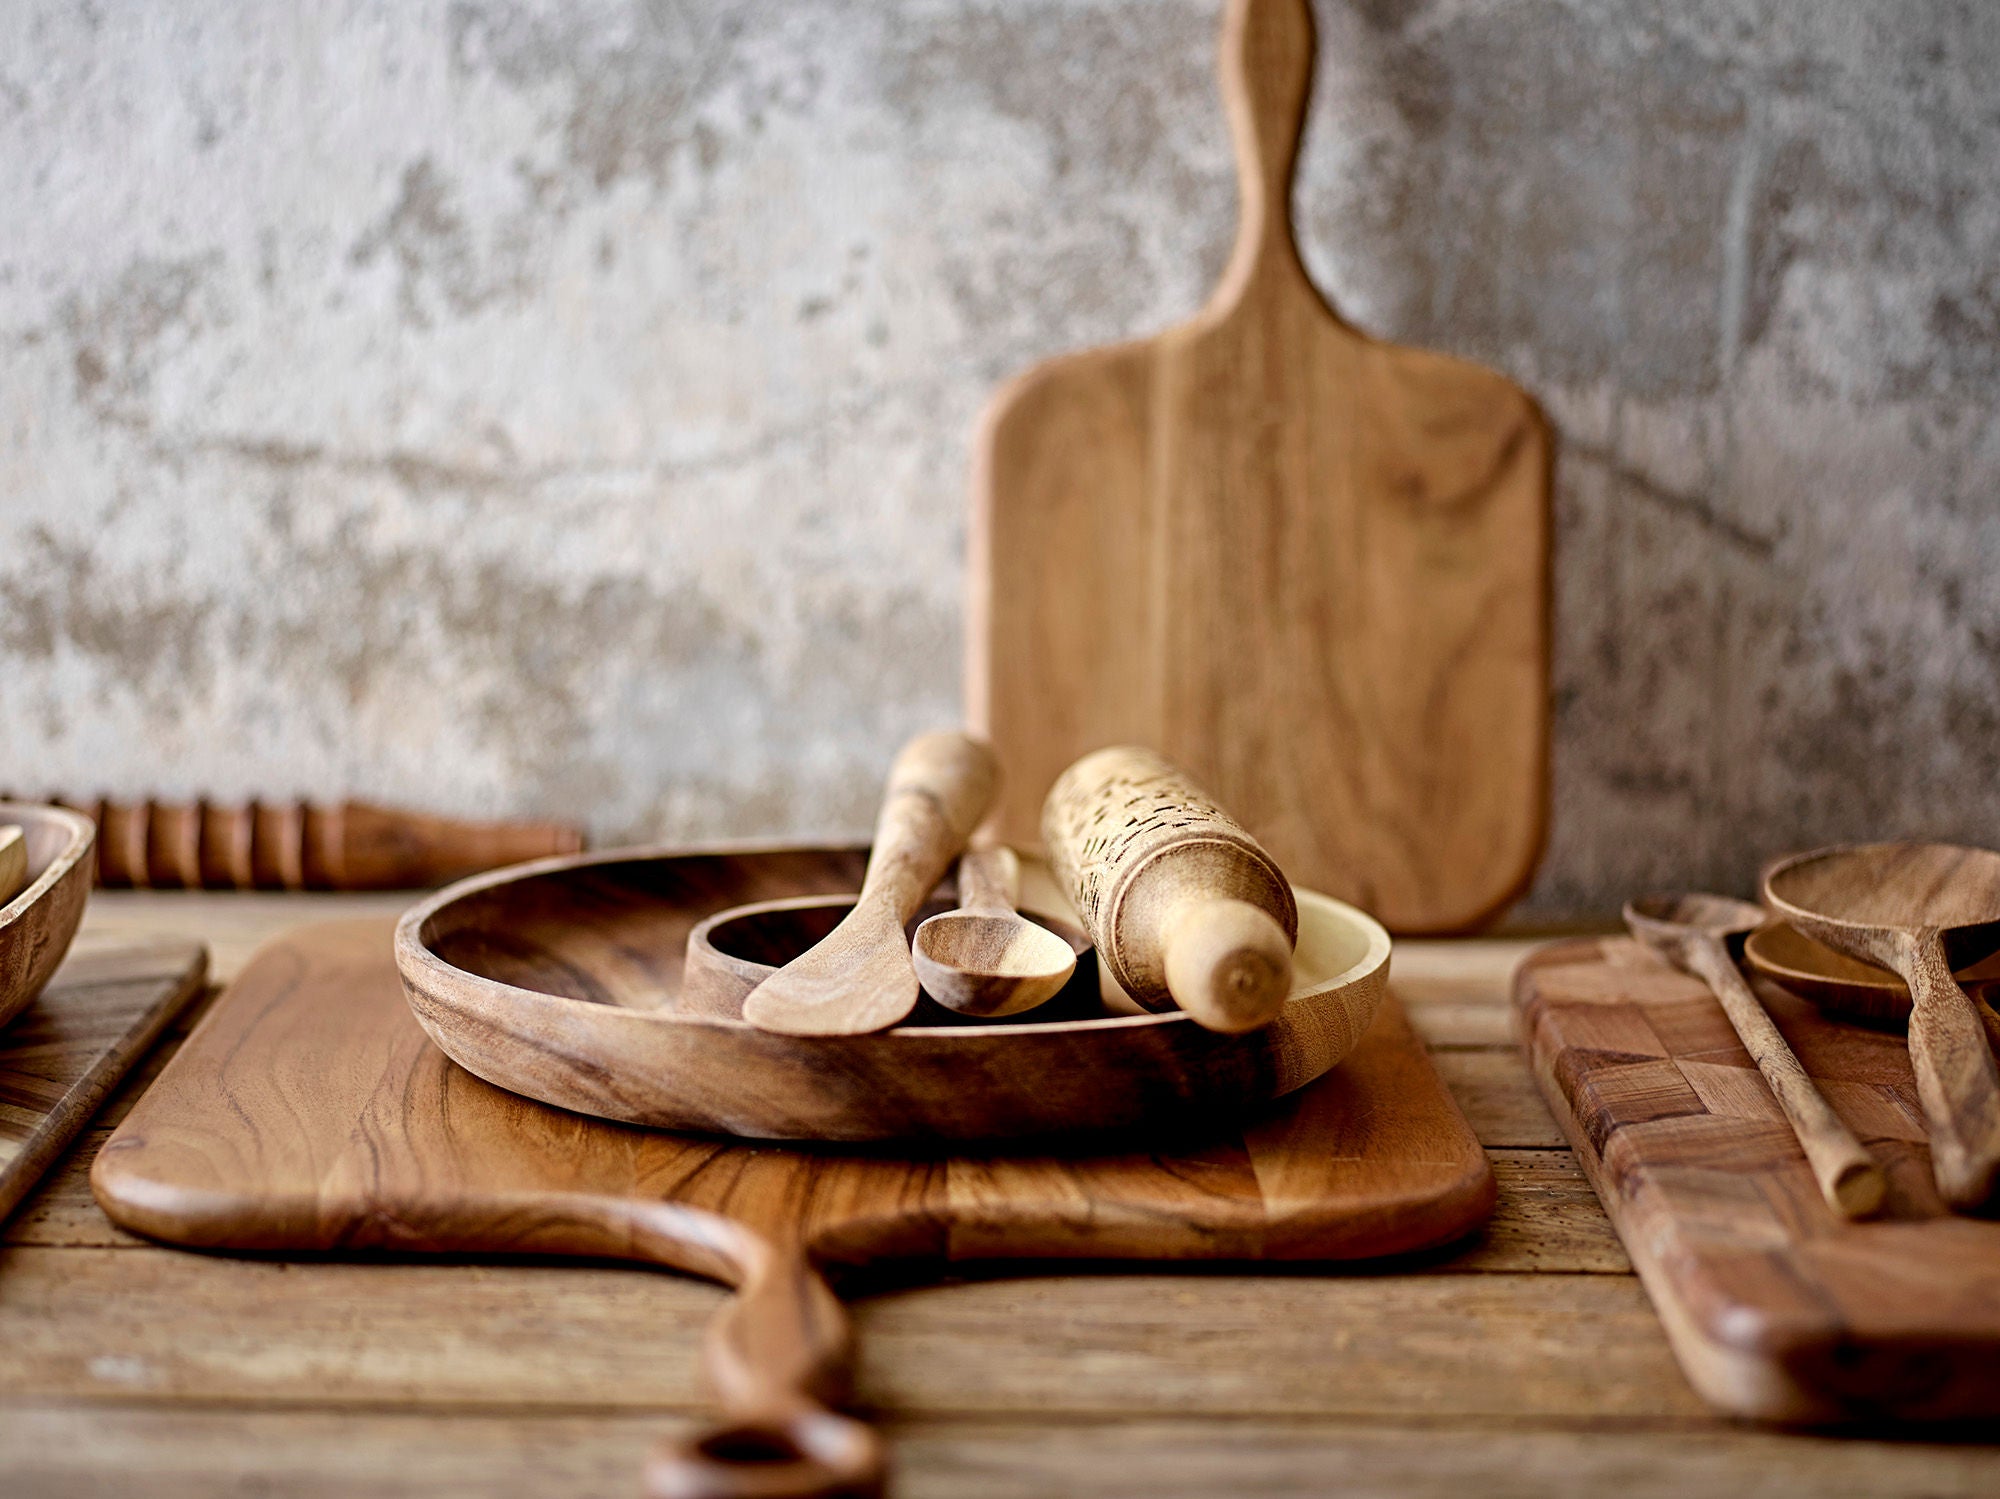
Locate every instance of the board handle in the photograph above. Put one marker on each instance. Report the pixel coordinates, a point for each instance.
(1267, 64)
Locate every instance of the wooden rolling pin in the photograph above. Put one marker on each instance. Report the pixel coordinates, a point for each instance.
(1185, 907)
(299, 846)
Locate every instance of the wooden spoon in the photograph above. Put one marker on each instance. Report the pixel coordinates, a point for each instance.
(860, 978)
(1920, 909)
(1848, 986)
(985, 958)
(1695, 933)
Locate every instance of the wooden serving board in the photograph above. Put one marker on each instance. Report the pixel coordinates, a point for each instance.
(309, 1112)
(1309, 566)
(1777, 1309)
(61, 1057)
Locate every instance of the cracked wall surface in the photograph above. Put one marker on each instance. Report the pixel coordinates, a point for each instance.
(563, 408)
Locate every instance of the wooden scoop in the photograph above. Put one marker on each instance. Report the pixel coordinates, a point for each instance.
(1847, 986)
(860, 978)
(1920, 909)
(986, 958)
(1694, 933)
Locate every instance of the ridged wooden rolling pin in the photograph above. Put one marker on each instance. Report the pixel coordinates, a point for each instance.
(1185, 907)
(301, 846)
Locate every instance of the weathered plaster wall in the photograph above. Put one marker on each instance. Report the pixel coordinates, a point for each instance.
(563, 407)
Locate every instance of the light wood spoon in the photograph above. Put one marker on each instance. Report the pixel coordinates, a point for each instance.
(1920, 909)
(1695, 933)
(860, 978)
(985, 958)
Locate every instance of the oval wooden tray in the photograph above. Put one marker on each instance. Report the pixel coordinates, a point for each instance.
(559, 980)
(37, 924)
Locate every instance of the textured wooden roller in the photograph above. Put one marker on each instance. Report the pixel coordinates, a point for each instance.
(299, 846)
(1185, 907)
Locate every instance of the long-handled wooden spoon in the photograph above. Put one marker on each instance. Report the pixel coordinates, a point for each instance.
(1694, 933)
(860, 978)
(1920, 909)
(986, 958)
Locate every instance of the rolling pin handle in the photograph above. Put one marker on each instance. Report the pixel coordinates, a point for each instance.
(1229, 964)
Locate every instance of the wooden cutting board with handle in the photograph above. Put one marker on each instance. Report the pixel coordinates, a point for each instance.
(1777, 1308)
(309, 1112)
(1309, 566)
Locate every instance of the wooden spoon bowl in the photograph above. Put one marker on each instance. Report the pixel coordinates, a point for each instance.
(37, 925)
(561, 980)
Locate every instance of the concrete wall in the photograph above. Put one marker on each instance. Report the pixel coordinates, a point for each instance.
(563, 408)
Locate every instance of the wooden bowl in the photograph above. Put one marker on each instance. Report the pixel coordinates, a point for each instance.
(559, 980)
(36, 926)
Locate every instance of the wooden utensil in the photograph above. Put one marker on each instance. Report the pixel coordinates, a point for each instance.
(1920, 909)
(1185, 907)
(308, 1113)
(984, 959)
(560, 981)
(861, 978)
(732, 952)
(63, 1054)
(1694, 933)
(1307, 565)
(36, 926)
(1848, 986)
(1776, 1309)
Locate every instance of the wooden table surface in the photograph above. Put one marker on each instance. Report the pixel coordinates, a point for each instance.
(1525, 1363)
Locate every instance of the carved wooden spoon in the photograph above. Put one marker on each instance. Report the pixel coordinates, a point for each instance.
(1694, 933)
(985, 958)
(1920, 909)
(860, 977)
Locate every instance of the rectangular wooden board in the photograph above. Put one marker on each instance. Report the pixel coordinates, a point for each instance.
(1777, 1309)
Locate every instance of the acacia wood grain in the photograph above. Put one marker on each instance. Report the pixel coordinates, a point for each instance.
(61, 1056)
(1920, 909)
(1308, 565)
(308, 1112)
(983, 958)
(1847, 986)
(562, 982)
(860, 977)
(1694, 933)
(39, 921)
(1777, 1308)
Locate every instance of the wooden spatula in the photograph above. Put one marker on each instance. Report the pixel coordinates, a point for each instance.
(1309, 566)
(860, 978)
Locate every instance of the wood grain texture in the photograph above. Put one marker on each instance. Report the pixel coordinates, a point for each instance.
(39, 921)
(353, 845)
(1848, 986)
(1697, 933)
(1184, 906)
(560, 982)
(859, 977)
(1308, 565)
(983, 958)
(308, 1112)
(1920, 909)
(1777, 1308)
(63, 1055)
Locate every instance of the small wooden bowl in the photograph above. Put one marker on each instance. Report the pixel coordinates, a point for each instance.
(559, 980)
(733, 951)
(37, 925)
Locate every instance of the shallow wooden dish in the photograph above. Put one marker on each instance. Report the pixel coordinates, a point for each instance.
(560, 980)
(37, 924)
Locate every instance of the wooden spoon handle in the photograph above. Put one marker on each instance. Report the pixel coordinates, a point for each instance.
(1956, 1078)
(989, 879)
(938, 790)
(1849, 1177)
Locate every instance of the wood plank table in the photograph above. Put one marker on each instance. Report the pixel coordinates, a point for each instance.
(1526, 1363)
